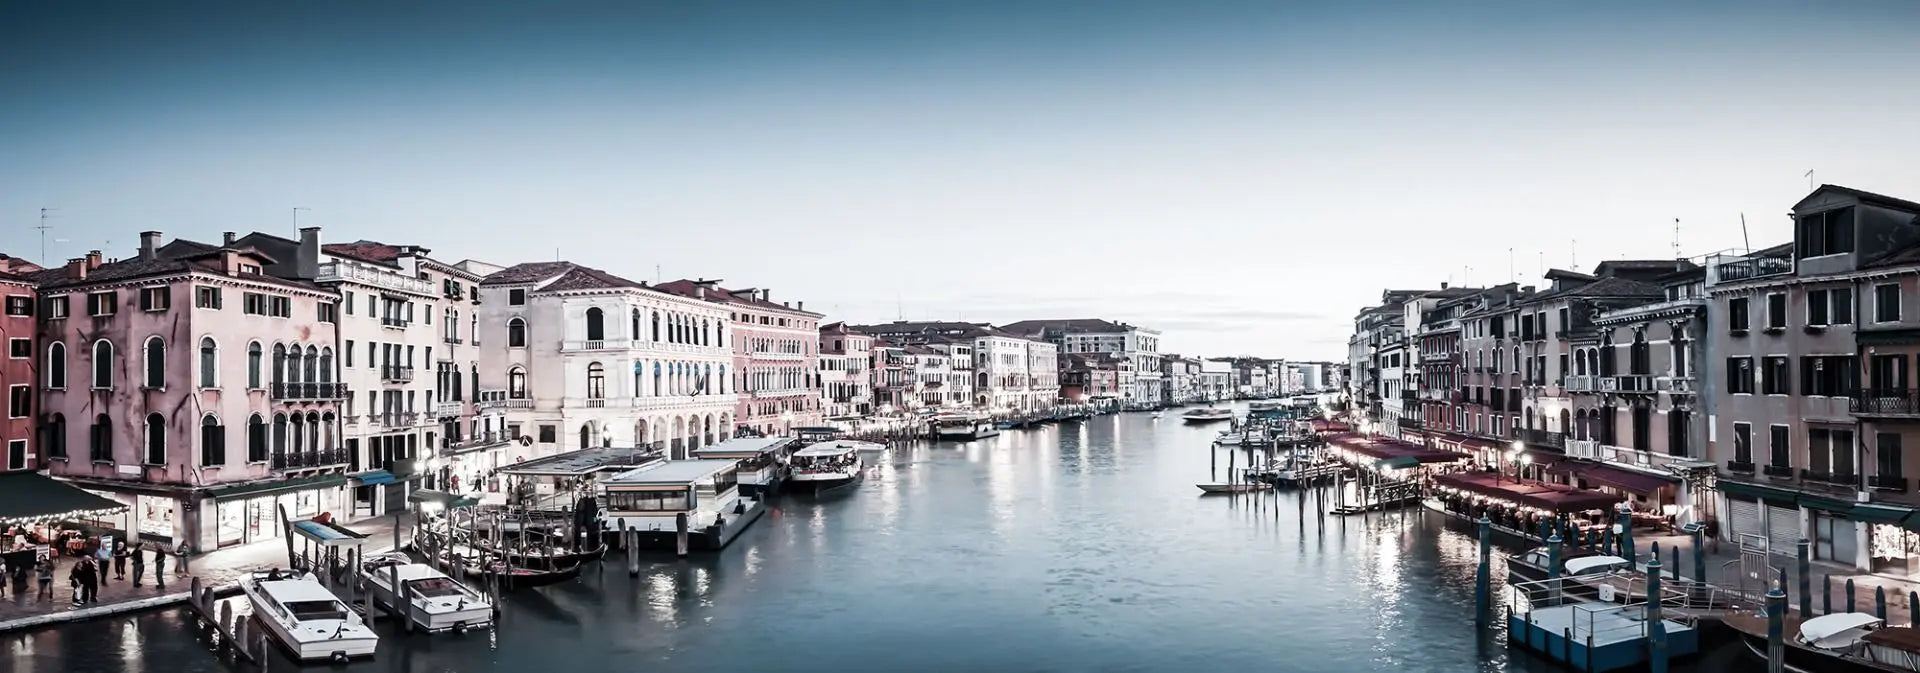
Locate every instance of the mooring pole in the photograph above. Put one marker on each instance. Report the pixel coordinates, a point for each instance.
(1803, 549)
(1850, 596)
(1656, 626)
(1880, 603)
(1776, 626)
(1699, 554)
(1483, 578)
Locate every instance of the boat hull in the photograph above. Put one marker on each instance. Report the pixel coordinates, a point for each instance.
(816, 484)
(1215, 489)
(1803, 660)
(711, 538)
(331, 649)
(478, 615)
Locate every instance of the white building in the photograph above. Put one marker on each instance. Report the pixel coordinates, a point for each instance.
(1010, 372)
(587, 358)
(1141, 383)
(957, 391)
(846, 373)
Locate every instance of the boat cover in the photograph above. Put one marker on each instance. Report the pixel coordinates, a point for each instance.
(1838, 630)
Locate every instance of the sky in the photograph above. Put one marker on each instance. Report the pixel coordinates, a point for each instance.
(1242, 176)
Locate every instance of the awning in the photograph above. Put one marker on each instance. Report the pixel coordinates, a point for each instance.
(328, 534)
(267, 486)
(1879, 513)
(1822, 502)
(1402, 462)
(1621, 478)
(32, 497)
(441, 498)
(1540, 495)
(1761, 491)
(375, 478)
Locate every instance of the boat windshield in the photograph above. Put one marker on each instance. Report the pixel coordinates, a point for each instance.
(311, 610)
(436, 587)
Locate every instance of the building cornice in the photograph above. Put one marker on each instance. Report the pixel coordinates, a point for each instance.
(1784, 281)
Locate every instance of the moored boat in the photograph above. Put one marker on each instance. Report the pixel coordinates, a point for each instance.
(306, 618)
(825, 467)
(1842, 642)
(1237, 487)
(433, 601)
(963, 427)
(1207, 415)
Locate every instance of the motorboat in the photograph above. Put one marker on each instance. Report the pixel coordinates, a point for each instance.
(1236, 487)
(692, 504)
(1207, 415)
(863, 447)
(1156, 415)
(1531, 565)
(433, 601)
(1841, 642)
(306, 618)
(824, 467)
(1230, 439)
(963, 427)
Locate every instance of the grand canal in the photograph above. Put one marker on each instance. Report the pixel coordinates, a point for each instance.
(1077, 547)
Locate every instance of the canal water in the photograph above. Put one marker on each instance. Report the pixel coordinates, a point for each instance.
(1077, 547)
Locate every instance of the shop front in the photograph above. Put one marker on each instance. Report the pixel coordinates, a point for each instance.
(248, 513)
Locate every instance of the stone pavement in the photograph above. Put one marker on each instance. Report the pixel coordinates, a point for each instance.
(221, 570)
(1724, 571)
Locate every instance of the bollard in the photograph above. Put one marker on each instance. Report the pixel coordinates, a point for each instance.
(1913, 609)
(238, 643)
(1482, 582)
(1826, 598)
(633, 552)
(1776, 627)
(1674, 553)
(622, 537)
(399, 602)
(1699, 554)
(1656, 625)
(226, 620)
(1626, 535)
(1850, 595)
(1653, 559)
(260, 651)
(206, 601)
(1806, 577)
(1880, 603)
(680, 533)
(1553, 559)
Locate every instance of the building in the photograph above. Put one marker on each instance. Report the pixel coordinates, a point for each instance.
(1215, 381)
(1010, 372)
(1376, 329)
(846, 373)
(957, 354)
(584, 358)
(1140, 345)
(1092, 378)
(1179, 379)
(1818, 344)
(195, 384)
(893, 378)
(776, 357)
(17, 372)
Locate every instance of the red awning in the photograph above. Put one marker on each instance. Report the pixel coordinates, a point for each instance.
(1551, 497)
(1631, 481)
(1323, 425)
(1384, 448)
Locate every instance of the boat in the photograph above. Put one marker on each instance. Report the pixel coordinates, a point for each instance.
(1304, 474)
(1156, 415)
(1531, 565)
(864, 447)
(306, 618)
(1842, 642)
(489, 567)
(963, 427)
(762, 460)
(1207, 415)
(824, 467)
(435, 602)
(1237, 487)
(695, 501)
(1229, 439)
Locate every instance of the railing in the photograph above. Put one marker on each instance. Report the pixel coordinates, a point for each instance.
(1580, 383)
(444, 409)
(1556, 440)
(1410, 423)
(335, 271)
(396, 373)
(452, 340)
(1679, 385)
(1754, 268)
(395, 321)
(300, 460)
(1880, 482)
(316, 392)
(509, 403)
(1647, 461)
(1630, 383)
(1886, 402)
(599, 345)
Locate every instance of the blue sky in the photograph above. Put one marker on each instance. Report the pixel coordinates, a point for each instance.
(1242, 175)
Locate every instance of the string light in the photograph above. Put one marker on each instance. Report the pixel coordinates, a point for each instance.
(63, 517)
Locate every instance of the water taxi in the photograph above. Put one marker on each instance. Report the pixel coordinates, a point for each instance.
(433, 601)
(306, 618)
(1207, 415)
(824, 467)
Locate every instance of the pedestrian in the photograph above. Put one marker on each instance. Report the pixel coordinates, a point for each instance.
(160, 566)
(120, 560)
(46, 580)
(89, 581)
(139, 564)
(102, 557)
(73, 582)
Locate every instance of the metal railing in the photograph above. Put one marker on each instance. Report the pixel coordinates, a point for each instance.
(316, 458)
(1556, 440)
(1580, 383)
(1754, 268)
(1885, 402)
(292, 392)
(396, 373)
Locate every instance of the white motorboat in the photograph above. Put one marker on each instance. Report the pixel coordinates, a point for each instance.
(1230, 439)
(963, 427)
(827, 466)
(306, 618)
(862, 447)
(1158, 414)
(1237, 487)
(435, 602)
(1207, 415)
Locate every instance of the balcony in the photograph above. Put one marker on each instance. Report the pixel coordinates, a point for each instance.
(395, 322)
(1557, 440)
(1677, 385)
(396, 419)
(451, 340)
(386, 280)
(307, 392)
(1778, 470)
(1886, 483)
(1754, 268)
(1645, 461)
(510, 403)
(1583, 383)
(446, 409)
(309, 460)
(1886, 403)
(1628, 383)
(599, 345)
(396, 374)
(1409, 395)
(1410, 423)
(483, 440)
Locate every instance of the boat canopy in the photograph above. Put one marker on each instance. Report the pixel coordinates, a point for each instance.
(825, 450)
(1595, 564)
(1838, 630)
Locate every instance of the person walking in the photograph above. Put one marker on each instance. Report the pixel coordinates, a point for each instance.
(73, 582)
(45, 575)
(139, 564)
(160, 566)
(120, 560)
(102, 557)
(89, 581)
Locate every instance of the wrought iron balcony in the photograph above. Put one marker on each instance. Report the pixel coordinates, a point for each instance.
(395, 322)
(396, 373)
(1581, 383)
(1557, 440)
(1630, 383)
(1886, 402)
(445, 409)
(1754, 268)
(1880, 482)
(307, 392)
(311, 459)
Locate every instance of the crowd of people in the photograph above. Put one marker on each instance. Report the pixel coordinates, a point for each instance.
(30, 564)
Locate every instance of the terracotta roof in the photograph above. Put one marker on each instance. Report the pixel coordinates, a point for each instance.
(721, 295)
(136, 268)
(530, 272)
(587, 278)
(364, 250)
(1066, 326)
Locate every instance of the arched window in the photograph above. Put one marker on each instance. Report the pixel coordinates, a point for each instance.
(706, 339)
(635, 334)
(311, 365)
(156, 439)
(209, 363)
(103, 364)
(213, 442)
(279, 363)
(656, 379)
(586, 435)
(253, 365)
(326, 365)
(100, 439)
(517, 383)
(57, 365)
(327, 438)
(256, 439)
(516, 333)
(155, 359)
(279, 434)
(722, 379)
(656, 327)
(596, 381)
(54, 435)
(596, 324)
(638, 367)
(313, 430)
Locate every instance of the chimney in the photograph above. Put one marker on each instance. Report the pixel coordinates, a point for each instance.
(800, 305)
(93, 259)
(766, 295)
(77, 268)
(307, 260)
(700, 291)
(1443, 285)
(149, 244)
(226, 238)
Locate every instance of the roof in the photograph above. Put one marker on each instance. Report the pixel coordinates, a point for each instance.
(287, 591)
(327, 534)
(583, 461)
(530, 272)
(365, 251)
(1864, 197)
(277, 485)
(1065, 326)
(31, 495)
(818, 450)
(745, 445)
(587, 278)
(720, 295)
(180, 256)
(668, 472)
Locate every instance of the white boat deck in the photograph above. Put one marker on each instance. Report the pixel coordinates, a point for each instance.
(1608, 624)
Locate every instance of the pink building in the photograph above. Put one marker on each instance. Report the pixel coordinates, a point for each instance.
(776, 356)
(196, 385)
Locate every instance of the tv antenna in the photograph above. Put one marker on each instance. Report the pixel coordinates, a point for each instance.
(1748, 242)
(44, 227)
(1676, 238)
(296, 217)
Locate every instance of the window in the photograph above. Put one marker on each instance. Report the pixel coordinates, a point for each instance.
(57, 366)
(155, 355)
(596, 324)
(346, 302)
(1828, 233)
(19, 348)
(329, 312)
(19, 401)
(53, 437)
(1830, 307)
(102, 304)
(100, 439)
(1886, 303)
(209, 363)
(54, 307)
(253, 303)
(103, 364)
(1743, 444)
(516, 333)
(206, 297)
(516, 297)
(549, 434)
(156, 439)
(596, 381)
(348, 352)
(19, 306)
(279, 307)
(1886, 455)
(1829, 453)
(213, 442)
(1775, 375)
(253, 366)
(1737, 319)
(1828, 375)
(1777, 447)
(1740, 375)
(256, 439)
(155, 299)
(1777, 311)
(517, 384)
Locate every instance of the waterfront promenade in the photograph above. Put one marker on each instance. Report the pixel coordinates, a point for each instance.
(220, 569)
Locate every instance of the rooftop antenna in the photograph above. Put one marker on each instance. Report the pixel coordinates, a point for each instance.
(1511, 276)
(296, 217)
(1748, 242)
(1810, 185)
(1676, 239)
(556, 253)
(1543, 264)
(43, 233)
(1573, 253)
(656, 274)
(899, 307)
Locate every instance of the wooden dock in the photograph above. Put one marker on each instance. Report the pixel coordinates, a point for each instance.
(238, 639)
